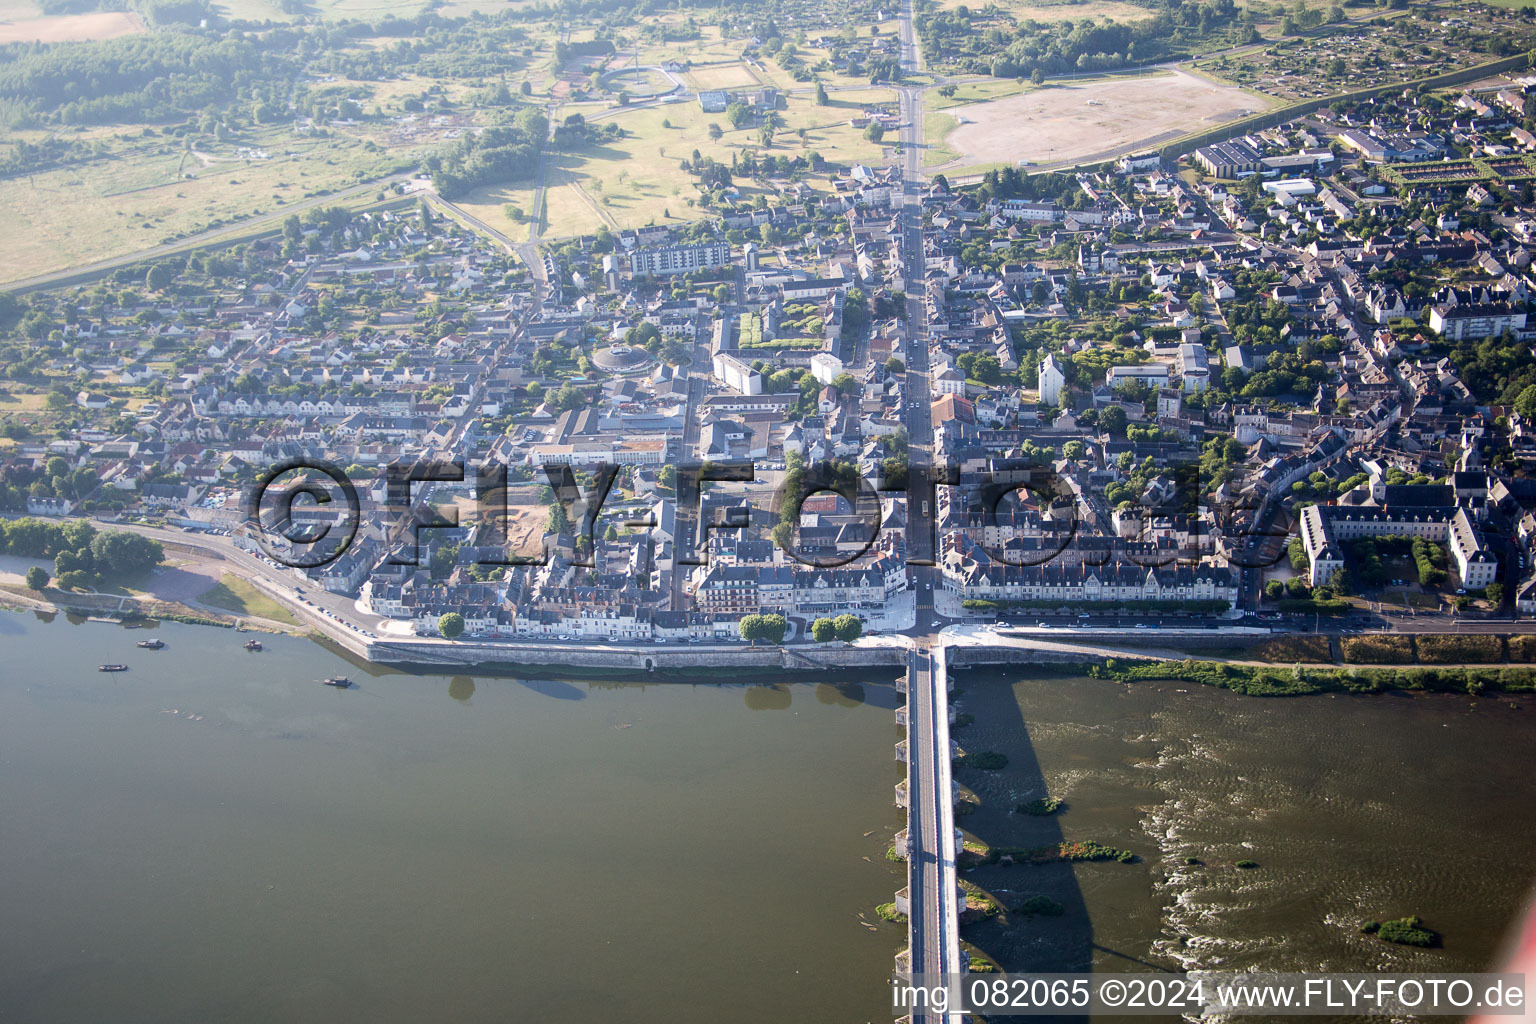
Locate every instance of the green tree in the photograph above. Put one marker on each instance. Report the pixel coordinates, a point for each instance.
(558, 521)
(823, 631)
(157, 278)
(1113, 420)
(1298, 555)
(568, 398)
(849, 627)
(822, 99)
(117, 552)
(1525, 402)
(451, 625)
(894, 365)
(1274, 590)
(74, 580)
(37, 578)
(769, 628)
(875, 132)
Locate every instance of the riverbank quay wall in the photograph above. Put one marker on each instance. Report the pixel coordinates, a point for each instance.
(504, 656)
(510, 655)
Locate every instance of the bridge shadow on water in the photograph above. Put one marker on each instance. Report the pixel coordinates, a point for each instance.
(1020, 941)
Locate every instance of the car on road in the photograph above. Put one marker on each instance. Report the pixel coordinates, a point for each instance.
(937, 624)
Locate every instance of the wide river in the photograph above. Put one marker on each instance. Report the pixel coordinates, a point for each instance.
(215, 836)
(1353, 808)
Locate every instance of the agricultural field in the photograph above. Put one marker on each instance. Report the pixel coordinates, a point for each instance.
(67, 28)
(1075, 123)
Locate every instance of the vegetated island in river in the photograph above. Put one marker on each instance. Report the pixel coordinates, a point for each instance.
(1405, 931)
(1298, 680)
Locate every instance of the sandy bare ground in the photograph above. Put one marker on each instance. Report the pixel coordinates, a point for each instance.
(71, 28)
(1071, 123)
(524, 525)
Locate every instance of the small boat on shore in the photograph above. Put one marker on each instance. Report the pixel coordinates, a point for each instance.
(113, 668)
(340, 682)
(253, 645)
(151, 645)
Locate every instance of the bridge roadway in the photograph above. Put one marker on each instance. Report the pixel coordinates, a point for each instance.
(934, 922)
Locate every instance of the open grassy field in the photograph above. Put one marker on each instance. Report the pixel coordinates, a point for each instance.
(70, 28)
(710, 48)
(977, 90)
(722, 76)
(569, 209)
(157, 191)
(236, 595)
(490, 203)
(1089, 121)
(638, 180)
(936, 126)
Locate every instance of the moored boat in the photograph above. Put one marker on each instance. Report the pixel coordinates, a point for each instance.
(253, 645)
(113, 668)
(340, 682)
(152, 645)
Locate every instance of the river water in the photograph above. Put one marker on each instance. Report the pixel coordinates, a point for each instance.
(1355, 808)
(215, 836)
